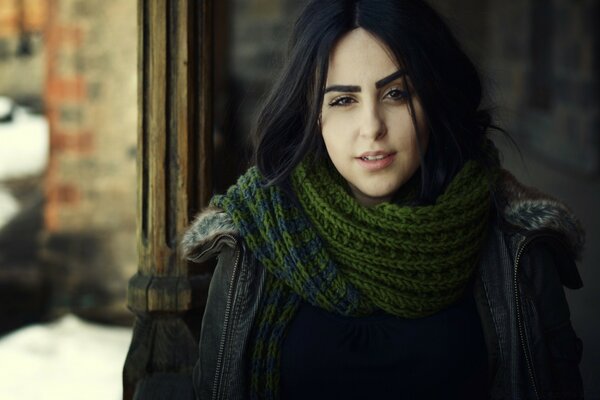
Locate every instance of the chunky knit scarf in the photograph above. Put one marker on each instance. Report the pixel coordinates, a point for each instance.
(409, 261)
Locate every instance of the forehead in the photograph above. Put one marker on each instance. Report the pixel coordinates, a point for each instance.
(360, 57)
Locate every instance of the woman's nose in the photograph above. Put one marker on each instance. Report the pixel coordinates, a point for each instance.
(373, 123)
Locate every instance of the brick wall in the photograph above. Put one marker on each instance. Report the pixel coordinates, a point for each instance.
(90, 95)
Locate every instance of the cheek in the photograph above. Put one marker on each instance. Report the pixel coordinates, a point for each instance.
(414, 147)
(406, 134)
(335, 132)
(334, 147)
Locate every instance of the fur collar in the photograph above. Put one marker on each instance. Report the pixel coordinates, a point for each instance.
(525, 208)
(207, 226)
(530, 210)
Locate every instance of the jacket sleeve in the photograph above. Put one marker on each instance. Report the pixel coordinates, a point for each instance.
(557, 350)
(233, 302)
(212, 325)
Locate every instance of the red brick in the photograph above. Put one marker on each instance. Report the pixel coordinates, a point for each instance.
(80, 142)
(59, 196)
(9, 26)
(51, 219)
(36, 14)
(69, 34)
(65, 194)
(8, 8)
(66, 89)
(68, 194)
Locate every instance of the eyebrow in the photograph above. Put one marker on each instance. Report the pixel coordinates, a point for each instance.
(390, 78)
(355, 89)
(342, 88)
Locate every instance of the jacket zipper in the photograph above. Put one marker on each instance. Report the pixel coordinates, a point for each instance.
(520, 324)
(228, 306)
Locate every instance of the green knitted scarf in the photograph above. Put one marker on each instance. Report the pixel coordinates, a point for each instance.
(409, 261)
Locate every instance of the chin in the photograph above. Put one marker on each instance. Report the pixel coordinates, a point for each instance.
(379, 195)
(382, 193)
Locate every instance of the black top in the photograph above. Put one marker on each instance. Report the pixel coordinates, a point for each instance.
(327, 356)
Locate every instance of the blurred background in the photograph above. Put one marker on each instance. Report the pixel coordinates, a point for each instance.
(68, 133)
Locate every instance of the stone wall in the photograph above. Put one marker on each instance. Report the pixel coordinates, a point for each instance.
(255, 45)
(468, 21)
(90, 93)
(546, 69)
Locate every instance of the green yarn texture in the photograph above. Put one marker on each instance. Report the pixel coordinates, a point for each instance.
(406, 261)
(409, 261)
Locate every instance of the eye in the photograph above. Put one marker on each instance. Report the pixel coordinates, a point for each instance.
(396, 94)
(341, 101)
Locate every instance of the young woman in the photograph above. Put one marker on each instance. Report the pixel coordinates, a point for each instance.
(377, 250)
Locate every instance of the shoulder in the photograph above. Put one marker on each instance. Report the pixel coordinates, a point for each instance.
(537, 228)
(211, 230)
(526, 212)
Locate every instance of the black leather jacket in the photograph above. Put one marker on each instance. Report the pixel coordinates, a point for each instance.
(528, 257)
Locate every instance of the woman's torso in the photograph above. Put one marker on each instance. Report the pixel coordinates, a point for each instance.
(329, 356)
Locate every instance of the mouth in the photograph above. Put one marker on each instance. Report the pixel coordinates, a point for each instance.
(374, 161)
(376, 155)
(374, 158)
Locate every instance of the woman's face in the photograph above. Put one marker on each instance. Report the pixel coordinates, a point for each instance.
(365, 120)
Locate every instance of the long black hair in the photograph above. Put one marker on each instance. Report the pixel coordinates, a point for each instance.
(443, 77)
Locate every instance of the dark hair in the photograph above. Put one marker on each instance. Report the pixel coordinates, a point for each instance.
(444, 78)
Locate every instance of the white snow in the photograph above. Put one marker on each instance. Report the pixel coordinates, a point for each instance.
(24, 145)
(66, 359)
(9, 207)
(6, 106)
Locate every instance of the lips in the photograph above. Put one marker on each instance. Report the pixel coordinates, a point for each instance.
(376, 160)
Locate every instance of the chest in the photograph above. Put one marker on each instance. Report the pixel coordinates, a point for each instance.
(381, 356)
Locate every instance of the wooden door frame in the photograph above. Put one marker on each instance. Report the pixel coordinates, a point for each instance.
(174, 163)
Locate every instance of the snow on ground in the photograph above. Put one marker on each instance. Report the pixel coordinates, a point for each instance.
(9, 207)
(24, 145)
(66, 359)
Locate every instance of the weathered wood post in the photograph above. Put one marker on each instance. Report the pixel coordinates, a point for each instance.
(174, 181)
